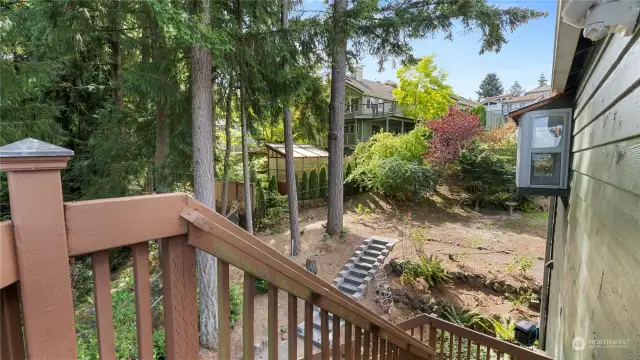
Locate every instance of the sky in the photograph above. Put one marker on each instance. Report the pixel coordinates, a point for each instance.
(528, 53)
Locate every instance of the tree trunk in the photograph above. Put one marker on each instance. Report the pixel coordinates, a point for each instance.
(202, 134)
(292, 195)
(248, 209)
(336, 130)
(116, 60)
(227, 149)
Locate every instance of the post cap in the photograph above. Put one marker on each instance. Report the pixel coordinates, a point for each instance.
(32, 154)
(32, 147)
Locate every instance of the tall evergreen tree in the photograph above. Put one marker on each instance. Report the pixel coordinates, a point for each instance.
(516, 89)
(542, 80)
(490, 86)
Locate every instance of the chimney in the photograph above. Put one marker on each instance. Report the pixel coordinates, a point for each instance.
(358, 74)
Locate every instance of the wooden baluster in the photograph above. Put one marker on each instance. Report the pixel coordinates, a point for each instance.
(272, 321)
(459, 347)
(477, 351)
(224, 316)
(433, 336)
(324, 334)
(144, 326)
(358, 344)
(292, 325)
(468, 349)
(488, 357)
(451, 336)
(499, 354)
(348, 354)
(421, 333)
(413, 332)
(366, 343)
(441, 353)
(180, 298)
(336, 353)
(248, 309)
(308, 330)
(102, 300)
(11, 344)
(375, 342)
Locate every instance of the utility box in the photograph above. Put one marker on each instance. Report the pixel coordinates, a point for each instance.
(526, 333)
(544, 140)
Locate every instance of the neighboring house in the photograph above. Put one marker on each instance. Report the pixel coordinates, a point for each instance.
(592, 276)
(518, 102)
(463, 103)
(545, 91)
(370, 108)
(494, 103)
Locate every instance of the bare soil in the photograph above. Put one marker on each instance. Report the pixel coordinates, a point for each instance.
(474, 242)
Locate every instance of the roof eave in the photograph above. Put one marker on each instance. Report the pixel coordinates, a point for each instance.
(566, 39)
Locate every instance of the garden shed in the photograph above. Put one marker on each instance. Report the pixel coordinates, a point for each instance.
(305, 158)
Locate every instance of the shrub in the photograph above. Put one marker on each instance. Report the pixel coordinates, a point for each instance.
(482, 113)
(273, 185)
(428, 268)
(349, 185)
(261, 203)
(261, 286)
(304, 191)
(313, 184)
(467, 318)
(484, 174)
(394, 165)
(322, 182)
(452, 133)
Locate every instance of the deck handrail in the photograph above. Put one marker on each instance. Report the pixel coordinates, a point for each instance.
(212, 233)
(502, 347)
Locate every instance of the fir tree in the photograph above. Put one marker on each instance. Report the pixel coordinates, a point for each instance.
(516, 89)
(322, 182)
(313, 184)
(490, 86)
(542, 80)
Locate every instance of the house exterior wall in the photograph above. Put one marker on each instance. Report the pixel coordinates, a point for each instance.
(595, 282)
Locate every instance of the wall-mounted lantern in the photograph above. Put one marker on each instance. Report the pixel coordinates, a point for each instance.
(544, 141)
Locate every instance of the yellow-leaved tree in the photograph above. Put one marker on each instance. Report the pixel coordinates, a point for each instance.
(422, 90)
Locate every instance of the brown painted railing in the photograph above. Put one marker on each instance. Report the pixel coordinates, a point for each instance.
(36, 292)
(452, 341)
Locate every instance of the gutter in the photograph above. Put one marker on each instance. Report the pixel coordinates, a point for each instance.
(546, 278)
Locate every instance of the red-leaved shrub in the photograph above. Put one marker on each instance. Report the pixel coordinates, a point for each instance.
(451, 134)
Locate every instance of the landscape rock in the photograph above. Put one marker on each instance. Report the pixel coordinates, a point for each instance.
(426, 308)
(508, 288)
(396, 298)
(409, 295)
(497, 287)
(405, 300)
(283, 329)
(502, 283)
(535, 304)
(398, 292)
(416, 304)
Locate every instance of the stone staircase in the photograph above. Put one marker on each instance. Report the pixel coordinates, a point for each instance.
(354, 278)
(363, 265)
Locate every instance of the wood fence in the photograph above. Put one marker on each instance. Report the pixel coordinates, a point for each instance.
(235, 192)
(494, 120)
(44, 233)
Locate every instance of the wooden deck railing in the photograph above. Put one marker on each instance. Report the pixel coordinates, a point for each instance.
(36, 292)
(452, 341)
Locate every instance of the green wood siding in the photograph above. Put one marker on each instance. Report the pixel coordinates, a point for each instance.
(595, 282)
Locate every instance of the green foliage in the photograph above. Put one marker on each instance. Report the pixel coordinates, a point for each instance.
(393, 164)
(429, 269)
(542, 80)
(322, 183)
(304, 188)
(422, 90)
(261, 203)
(523, 264)
(235, 303)
(313, 184)
(516, 89)
(273, 185)
(504, 329)
(490, 86)
(261, 286)
(484, 174)
(466, 317)
(124, 316)
(350, 186)
(482, 112)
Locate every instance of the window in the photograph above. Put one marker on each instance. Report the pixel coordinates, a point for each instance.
(509, 108)
(368, 103)
(376, 129)
(523, 105)
(349, 129)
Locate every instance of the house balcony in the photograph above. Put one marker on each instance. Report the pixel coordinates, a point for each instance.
(373, 110)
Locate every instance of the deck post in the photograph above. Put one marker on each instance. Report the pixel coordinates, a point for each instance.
(35, 191)
(402, 126)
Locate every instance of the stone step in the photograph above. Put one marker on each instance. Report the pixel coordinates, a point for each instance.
(379, 242)
(354, 280)
(376, 247)
(363, 266)
(359, 273)
(370, 253)
(348, 288)
(368, 259)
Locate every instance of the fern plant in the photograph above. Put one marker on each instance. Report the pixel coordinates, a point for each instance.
(428, 268)
(467, 318)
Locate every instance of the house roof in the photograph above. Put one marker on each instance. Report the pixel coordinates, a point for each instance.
(568, 44)
(539, 89)
(498, 97)
(463, 100)
(529, 97)
(299, 151)
(516, 114)
(371, 88)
